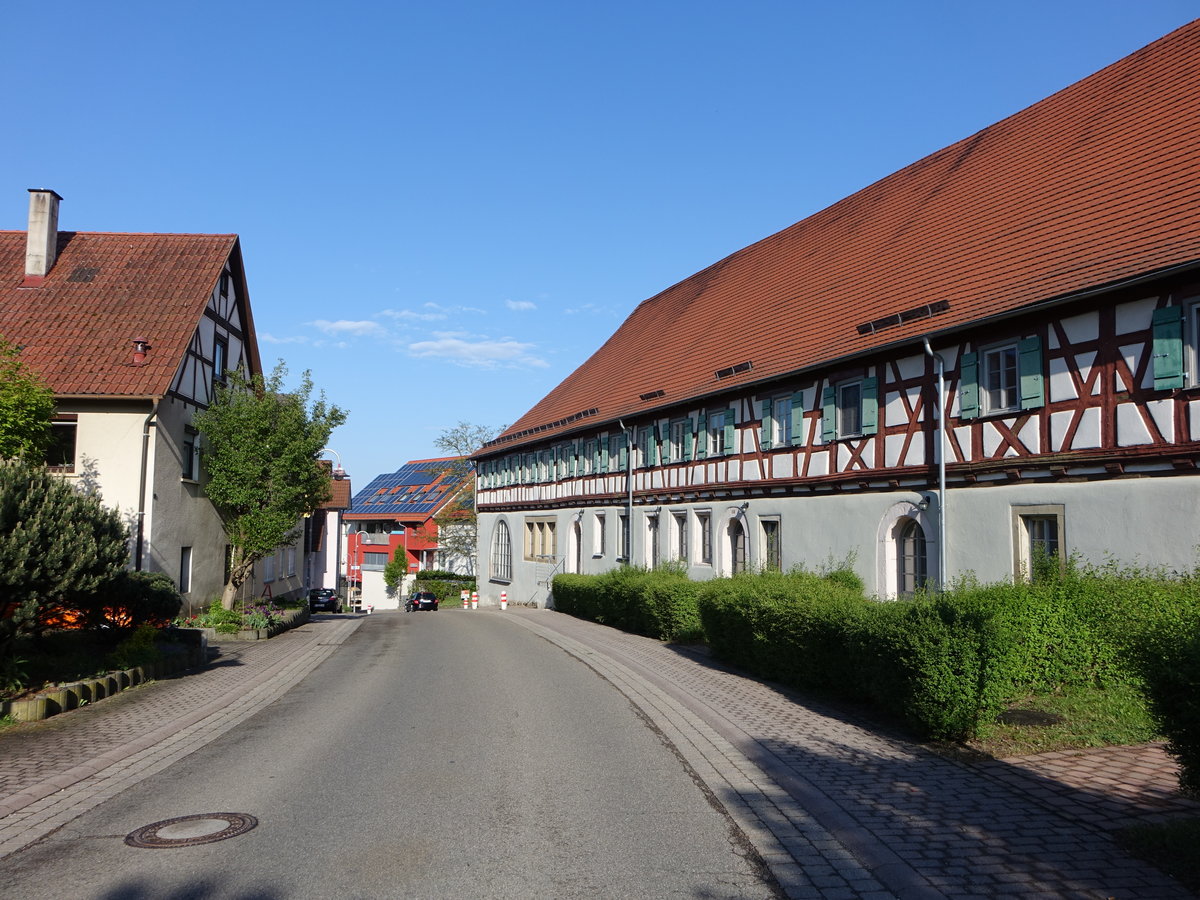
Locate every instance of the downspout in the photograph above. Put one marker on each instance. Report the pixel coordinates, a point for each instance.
(629, 485)
(141, 513)
(941, 458)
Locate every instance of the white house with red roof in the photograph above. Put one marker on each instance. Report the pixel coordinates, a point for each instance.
(132, 332)
(991, 353)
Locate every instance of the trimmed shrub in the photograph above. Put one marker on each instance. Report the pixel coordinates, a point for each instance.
(658, 603)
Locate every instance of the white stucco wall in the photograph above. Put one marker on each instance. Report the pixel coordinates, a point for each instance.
(1153, 521)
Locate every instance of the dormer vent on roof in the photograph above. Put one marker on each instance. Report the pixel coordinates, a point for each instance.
(734, 370)
(41, 242)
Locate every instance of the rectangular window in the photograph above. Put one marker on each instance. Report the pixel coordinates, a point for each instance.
(599, 537)
(681, 536)
(850, 409)
(772, 557)
(185, 569)
(191, 454)
(374, 562)
(781, 422)
(541, 540)
(1038, 537)
(675, 450)
(618, 459)
(220, 361)
(61, 454)
(589, 457)
(704, 527)
(648, 444)
(625, 548)
(291, 562)
(999, 385)
(268, 568)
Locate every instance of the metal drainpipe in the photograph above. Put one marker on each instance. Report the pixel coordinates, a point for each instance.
(941, 452)
(141, 513)
(629, 498)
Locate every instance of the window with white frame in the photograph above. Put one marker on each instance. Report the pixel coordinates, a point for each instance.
(220, 361)
(60, 456)
(721, 432)
(648, 446)
(1039, 540)
(679, 521)
(679, 439)
(772, 554)
(291, 561)
(268, 568)
(501, 561)
(999, 379)
(781, 421)
(624, 550)
(704, 537)
(618, 454)
(599, 535)
(374, 562)
(850, 409)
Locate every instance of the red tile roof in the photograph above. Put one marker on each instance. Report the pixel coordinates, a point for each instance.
(1093, 185)
(103, 291)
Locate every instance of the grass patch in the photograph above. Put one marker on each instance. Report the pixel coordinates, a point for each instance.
(1071, 718)
(1172, 847)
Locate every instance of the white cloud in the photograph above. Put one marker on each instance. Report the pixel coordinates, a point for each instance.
(268, 338)
(409, 315)
(520, 305)
(479, 352)
(359, 328)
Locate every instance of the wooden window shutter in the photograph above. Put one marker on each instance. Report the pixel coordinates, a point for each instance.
(870, 406)
(662, 436)
(828, 413)
(764, 433)
(1029, 365)
(730, 435)
(1167, 348)
(797, 418)
(624, 452)
(652, 445)
(574, 458)
(689, 445)
(603, 455)
(968, 386)
(702, 436)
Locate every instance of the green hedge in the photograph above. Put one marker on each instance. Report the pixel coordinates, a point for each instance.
(657, 603)
(945, 663)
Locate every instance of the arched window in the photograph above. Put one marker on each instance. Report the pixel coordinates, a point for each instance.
(501, 552)
(912, 562)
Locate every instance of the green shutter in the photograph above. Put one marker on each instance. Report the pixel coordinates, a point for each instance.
(765, 434)
(603, 455)
(662, 437)
(1167, 348)
(689, 445)
(797, 418)
(968, 386)
(828, 413)
(730, 433)
(870, 405)
(1029, 365)
(702, 436)
(624, 451)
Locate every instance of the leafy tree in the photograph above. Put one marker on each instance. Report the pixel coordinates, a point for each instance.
(261, 447)
(457, 522)
(26, 405)
(59, 551)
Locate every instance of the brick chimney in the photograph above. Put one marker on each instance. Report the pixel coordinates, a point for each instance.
(41, 245)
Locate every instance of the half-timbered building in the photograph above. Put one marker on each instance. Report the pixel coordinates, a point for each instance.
(990, 354)
(133, 332)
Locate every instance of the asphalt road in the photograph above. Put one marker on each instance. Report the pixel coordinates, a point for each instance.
(447, 754)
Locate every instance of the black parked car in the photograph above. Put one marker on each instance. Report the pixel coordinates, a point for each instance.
(422, 600)
(324, 600)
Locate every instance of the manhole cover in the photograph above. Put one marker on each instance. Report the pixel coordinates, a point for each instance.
(187, 831)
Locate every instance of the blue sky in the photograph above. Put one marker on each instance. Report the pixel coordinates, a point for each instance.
(446, 207)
